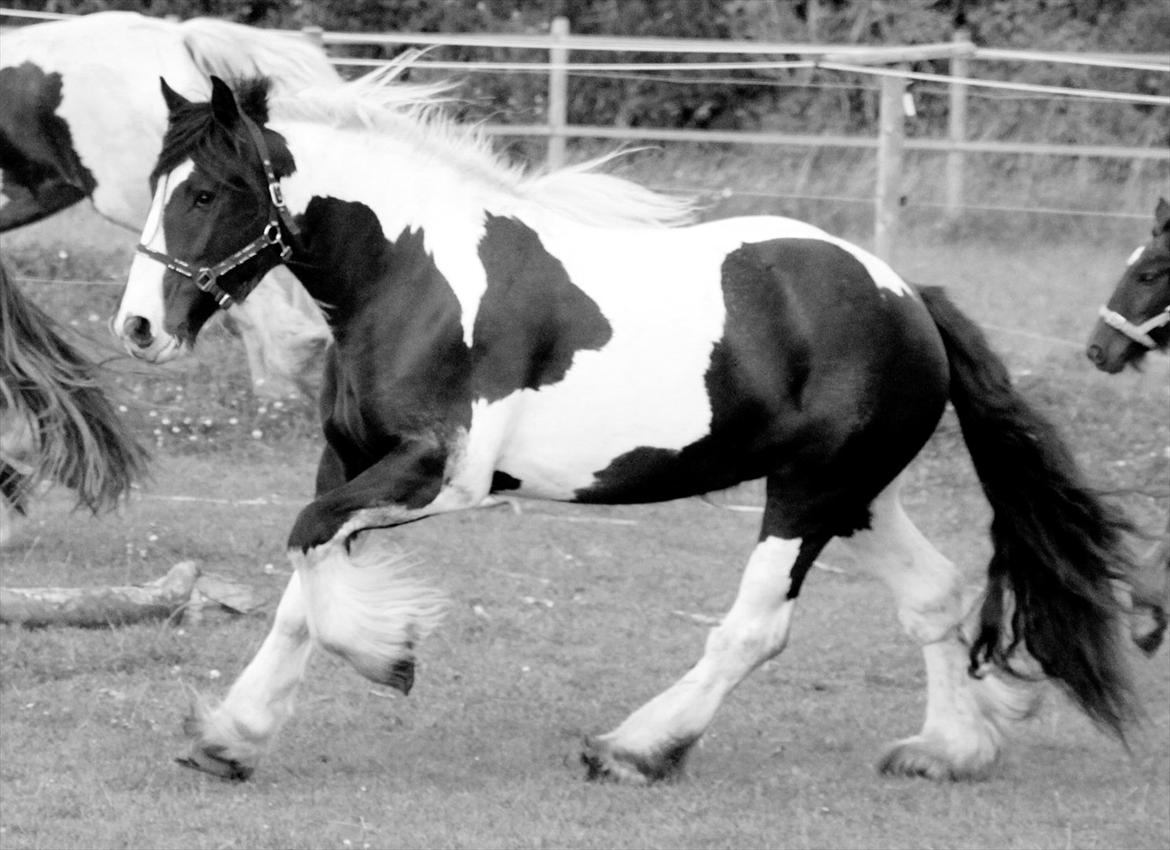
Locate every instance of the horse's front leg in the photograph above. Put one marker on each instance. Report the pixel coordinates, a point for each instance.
(230, 737)
(363, 603)
(348, 593)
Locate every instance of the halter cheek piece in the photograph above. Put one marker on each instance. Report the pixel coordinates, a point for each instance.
(1138, 333)
(206, 277)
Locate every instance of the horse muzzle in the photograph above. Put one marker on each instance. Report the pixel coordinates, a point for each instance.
(139, 339)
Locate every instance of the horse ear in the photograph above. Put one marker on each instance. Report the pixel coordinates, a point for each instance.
(1161, 217)
(223, 103)
(173, 98)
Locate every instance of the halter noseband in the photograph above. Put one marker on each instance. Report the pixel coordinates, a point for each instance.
(206, 277)
(1138, 333)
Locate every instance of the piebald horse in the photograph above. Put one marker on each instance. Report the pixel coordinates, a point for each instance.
(570, 336)
(80, 117)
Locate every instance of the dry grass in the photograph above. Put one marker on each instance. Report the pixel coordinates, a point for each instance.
(564, 620)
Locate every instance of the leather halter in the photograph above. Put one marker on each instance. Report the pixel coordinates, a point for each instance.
(1138, 333)
(206, 277)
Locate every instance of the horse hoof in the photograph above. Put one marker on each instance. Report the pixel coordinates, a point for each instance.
(214, 748)
(605, 763)
(1148, 635)
(211, 758)
(920, 757)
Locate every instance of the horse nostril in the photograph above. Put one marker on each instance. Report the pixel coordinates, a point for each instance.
(1095, 353)
(137, 330)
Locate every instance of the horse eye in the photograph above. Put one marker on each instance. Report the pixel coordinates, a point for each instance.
(203, 199)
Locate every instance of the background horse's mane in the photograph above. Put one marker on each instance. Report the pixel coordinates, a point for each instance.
(414, 112)
(231, 51)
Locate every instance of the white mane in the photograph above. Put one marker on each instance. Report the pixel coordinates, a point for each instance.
(413, 113)
(231, 50)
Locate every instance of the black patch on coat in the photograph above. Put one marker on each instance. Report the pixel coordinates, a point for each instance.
(532, 318)
(502, 482)
(42, 172)
(396, 390)
(822, 383)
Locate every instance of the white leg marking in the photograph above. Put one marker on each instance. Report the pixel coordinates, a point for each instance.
(366, 607)
(754, 630)
(961, 736)
(231, 737)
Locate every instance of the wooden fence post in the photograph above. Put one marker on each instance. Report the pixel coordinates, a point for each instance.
(891, 132)
(315, 35)
(558, 95)
(957, 127)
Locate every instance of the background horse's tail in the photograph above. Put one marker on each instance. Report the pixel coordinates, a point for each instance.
(1057, 547)
(49, 392)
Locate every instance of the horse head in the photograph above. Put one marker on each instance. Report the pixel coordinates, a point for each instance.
(1136, 319)
(217, 221)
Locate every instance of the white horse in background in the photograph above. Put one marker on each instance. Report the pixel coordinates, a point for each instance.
(81, 116)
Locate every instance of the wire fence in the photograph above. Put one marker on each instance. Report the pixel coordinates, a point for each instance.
(865, 65)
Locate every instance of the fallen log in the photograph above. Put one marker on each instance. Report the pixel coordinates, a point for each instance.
(99, 607)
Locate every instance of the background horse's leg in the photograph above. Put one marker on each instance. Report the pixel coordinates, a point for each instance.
(1149, 601)
(231, 737)
(653, 742)
(961, 736)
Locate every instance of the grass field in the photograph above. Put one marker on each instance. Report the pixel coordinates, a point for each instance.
(563, 619)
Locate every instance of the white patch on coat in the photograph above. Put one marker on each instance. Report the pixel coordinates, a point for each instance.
(661, 292)
(110, 64)
(1136, 255)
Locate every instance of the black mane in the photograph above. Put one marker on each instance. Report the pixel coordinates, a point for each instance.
(194, 132)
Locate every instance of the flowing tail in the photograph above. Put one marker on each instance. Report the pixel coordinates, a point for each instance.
(1057, 547)
(78, 439)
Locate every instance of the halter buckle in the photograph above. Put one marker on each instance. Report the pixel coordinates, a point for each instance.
(205, 280)
(274, 236)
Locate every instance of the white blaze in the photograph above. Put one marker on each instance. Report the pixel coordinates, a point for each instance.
(143, 296)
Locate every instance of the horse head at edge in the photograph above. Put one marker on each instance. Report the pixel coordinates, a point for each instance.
(1136, 319)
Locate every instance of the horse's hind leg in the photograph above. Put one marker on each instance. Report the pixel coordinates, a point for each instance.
(961, 736)
(653, 742)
